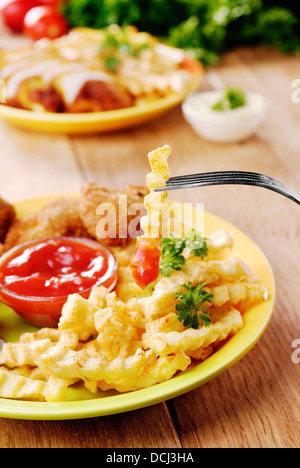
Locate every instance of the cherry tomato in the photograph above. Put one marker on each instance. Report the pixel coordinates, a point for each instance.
(192, 65)
(145, 262)
(44, 21)
(13, 13)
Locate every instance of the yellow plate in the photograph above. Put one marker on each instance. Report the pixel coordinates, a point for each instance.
(82, 404)
(93, 122)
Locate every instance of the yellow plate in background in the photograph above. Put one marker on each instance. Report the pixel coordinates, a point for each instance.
(93, 122)
(82, 404)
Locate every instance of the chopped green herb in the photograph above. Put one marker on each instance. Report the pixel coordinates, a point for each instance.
(233, 98)
(140, 49)
(112, 62)
(172, 249)
(197, 244)
(117, 40)
(191, 309)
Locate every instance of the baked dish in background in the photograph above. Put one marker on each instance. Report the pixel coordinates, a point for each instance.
(95, 70)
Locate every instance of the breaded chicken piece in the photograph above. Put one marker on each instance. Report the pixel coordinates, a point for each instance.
(97, 96)
(105, 213)
(55, 219)
(79, 218)
(7, 216)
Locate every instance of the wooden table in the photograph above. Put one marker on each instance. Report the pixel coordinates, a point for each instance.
(256, 402)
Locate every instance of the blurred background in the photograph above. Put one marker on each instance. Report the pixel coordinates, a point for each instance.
(206, 28)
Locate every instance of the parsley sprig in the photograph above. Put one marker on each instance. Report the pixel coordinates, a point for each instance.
(190, 308)
(232, 99)
(172, 249)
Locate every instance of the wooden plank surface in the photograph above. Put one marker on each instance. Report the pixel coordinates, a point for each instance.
(144, 428)
(255, 403)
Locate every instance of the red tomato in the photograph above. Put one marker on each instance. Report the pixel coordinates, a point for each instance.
(13, 13)
(145, 262)
(192, 66)
(44, 21)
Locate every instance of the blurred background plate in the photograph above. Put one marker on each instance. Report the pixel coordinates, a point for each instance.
(94, 122)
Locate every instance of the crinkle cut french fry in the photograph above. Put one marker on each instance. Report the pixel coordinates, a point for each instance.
(214, 272)
(188, 340)
(157, 209)
(13, 385)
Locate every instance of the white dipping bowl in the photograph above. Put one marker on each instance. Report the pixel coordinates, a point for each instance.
(223, 127)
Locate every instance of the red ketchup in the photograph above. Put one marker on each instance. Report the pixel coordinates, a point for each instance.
(37, 277)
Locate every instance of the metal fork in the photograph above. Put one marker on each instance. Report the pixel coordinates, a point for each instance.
(230, 178)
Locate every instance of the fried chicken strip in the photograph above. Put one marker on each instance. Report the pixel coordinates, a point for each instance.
(81, 217)
(112, 217)
(7, 216)
(55, 219)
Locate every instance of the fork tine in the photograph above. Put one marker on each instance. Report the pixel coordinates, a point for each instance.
(215, 175)
(199, 176)
(210, 178)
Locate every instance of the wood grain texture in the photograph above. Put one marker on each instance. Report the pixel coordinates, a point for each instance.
(256, 403)
(145, 428)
